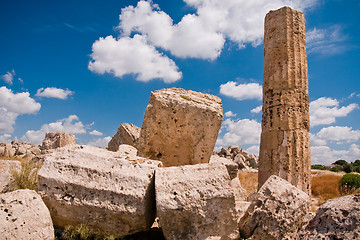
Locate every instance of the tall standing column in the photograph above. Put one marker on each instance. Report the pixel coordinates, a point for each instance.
(285, 139)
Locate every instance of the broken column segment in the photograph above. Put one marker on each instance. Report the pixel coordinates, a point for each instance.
(285, 140)
(180, 127)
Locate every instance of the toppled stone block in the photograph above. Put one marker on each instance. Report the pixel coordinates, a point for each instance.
(126, 134)
(337, 218)
(6, 178)
(276, 212)
(105, 190)
(196, 202)
(180, 127)
(57, 140)
(23, 215)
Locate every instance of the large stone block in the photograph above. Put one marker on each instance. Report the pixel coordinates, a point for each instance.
(276, 211)
(196, 202)
(23, 215)
(99, 188)
(180, 127)
(126, 134)
(337, 218)
(57, 140)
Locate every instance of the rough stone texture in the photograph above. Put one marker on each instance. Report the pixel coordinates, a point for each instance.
(240, 157)
(231, 166)
(6, 179)
(276, 212)
(19, 149)
(126, 134)
(196, 202)
(23, 215)
(57, 140)
(337, 218)
(285, 140)
(112, 192)
(180, 127)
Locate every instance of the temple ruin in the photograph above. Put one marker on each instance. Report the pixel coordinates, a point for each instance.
(285, 139)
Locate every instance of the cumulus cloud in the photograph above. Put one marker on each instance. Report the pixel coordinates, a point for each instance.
(100, 142)
(324, 111)
(12, 105)
(258, 109)
(96, 133)
(52, 92)
(230, 114)
(8, 77)
(239, 132)
(4, 137)
(203, 34)
(335, 134)
(326, 41)
(241, 91)
(325, 155)
(132, 56)
(71, 124)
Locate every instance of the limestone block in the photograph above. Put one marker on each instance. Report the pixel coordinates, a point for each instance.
(126, 134)
(196, 202)
(23, 215)
(180, 127)
(57, 140)
(9, 151)
(230, 165)
(6, 179)
(102, 189)
(337, 218)
(276, 212)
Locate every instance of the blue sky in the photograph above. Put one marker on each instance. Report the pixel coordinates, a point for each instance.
(85, 67)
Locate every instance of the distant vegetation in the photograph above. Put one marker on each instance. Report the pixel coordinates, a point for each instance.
(340, 166)
(349, 183)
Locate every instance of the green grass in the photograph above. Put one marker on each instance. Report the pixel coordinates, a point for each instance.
(27, 178)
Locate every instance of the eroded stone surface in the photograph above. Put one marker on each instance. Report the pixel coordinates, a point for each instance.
(17, 149)
(196, 202)
(337, 218)
(180, 127)
(276, 211)
(112, 192)
(285, 141)
(23, 215)
(126, 134)
(6, 179)
(57, 140)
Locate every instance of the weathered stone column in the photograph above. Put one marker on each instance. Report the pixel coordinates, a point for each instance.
(285, 140)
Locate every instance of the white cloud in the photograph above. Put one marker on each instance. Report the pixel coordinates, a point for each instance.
(326, 41)
(258, 109)
(324, 111)
(202, 35)
(240, 132)
(325, 155)
(100, 142)
(4, 137)
(12, 105)
(71, 124)
(230, 114)
(335, 134)
(52, 92)
(132, 56)
(8, 77)
(96, 133)
(253, 149)
(241, 91)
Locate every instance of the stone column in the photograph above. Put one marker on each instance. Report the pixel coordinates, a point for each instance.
(285, 139)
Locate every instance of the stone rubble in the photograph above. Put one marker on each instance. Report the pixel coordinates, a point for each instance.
(240, 157)
(126, 134)
(180, 127)
(17, 149)
(23, 215)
